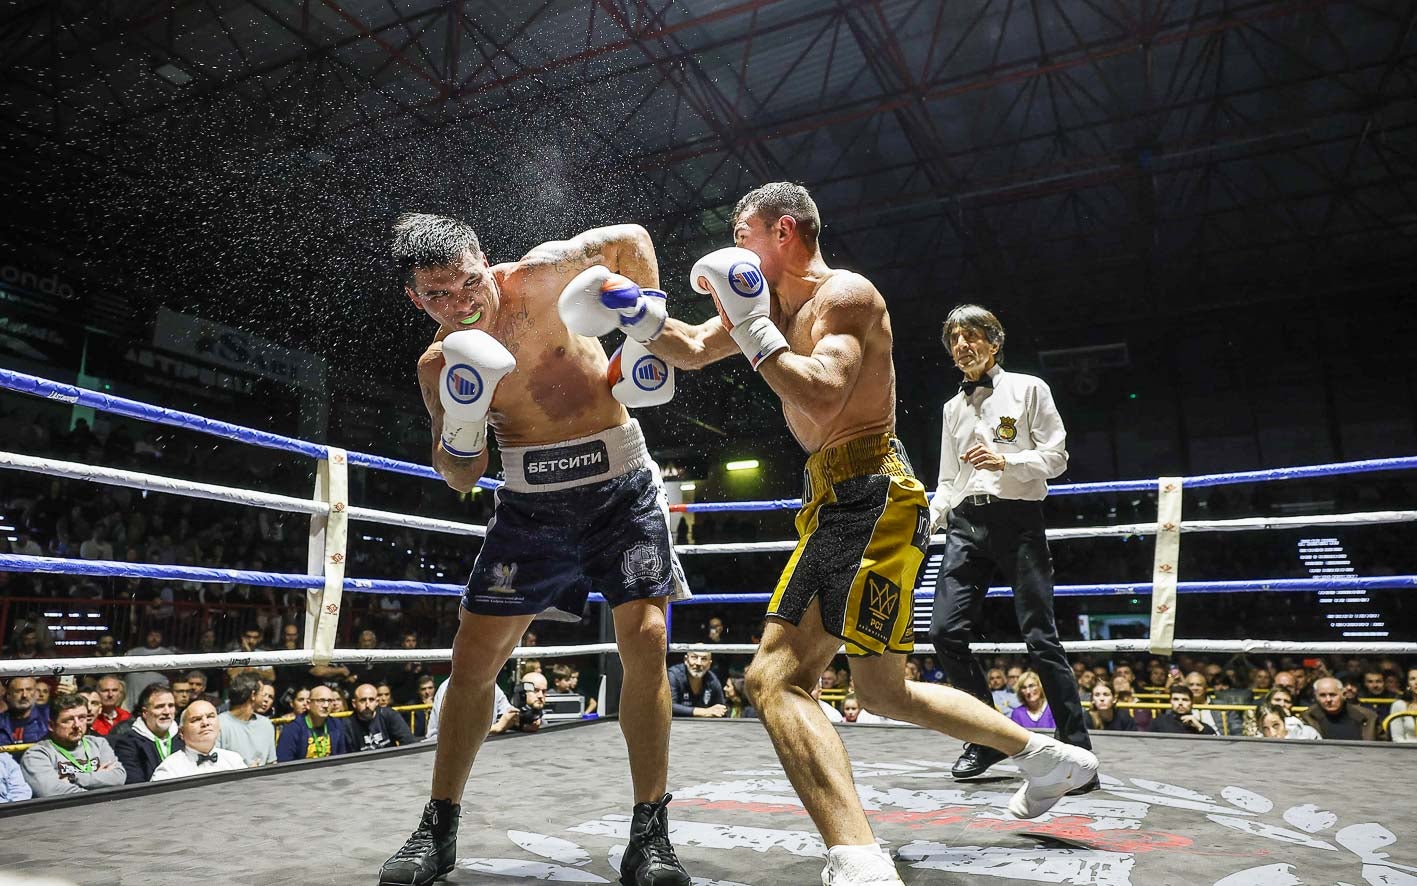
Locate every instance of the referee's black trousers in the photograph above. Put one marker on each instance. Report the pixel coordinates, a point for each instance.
(1007, 536)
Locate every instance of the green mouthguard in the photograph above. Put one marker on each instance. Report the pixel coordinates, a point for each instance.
(473, 319)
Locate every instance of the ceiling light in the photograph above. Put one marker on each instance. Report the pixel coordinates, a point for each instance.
(173, 74)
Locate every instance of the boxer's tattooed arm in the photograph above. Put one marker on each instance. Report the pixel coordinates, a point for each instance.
(625, 249)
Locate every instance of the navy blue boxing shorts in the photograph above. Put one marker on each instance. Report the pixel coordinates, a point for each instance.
(574, 517)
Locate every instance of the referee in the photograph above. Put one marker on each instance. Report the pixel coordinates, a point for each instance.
(1003, 440)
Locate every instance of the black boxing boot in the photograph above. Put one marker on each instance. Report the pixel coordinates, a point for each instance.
(431, 851)
(649, 859)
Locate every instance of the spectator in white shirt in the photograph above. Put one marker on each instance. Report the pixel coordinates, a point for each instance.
(199, 756)
(1003, 440)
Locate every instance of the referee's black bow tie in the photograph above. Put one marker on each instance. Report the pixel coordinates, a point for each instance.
(206, 758)
(969, 386)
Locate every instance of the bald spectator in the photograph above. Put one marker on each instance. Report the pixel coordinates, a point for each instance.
(1335, 718)
(70, 761)
(146, 740)
(199, 756)
(241, 730)
(373, 727)
(316, 734)
(24, 721)
(112, 692)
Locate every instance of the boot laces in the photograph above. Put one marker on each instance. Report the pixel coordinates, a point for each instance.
(655, 839)
(420, 844)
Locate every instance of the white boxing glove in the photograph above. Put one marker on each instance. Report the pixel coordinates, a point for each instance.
(734, 277)
(474, 363)
(638, 378)
(599, 301)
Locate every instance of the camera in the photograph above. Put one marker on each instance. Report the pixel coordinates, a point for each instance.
(525, 699)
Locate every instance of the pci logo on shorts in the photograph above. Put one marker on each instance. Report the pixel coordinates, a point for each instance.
(464, 384)
(880, 601)
(650, 373)
(746, 279)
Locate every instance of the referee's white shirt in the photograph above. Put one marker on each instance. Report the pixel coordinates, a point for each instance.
(1017, 419)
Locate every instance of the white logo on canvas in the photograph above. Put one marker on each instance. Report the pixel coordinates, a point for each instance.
(503, 574)
(642, 562)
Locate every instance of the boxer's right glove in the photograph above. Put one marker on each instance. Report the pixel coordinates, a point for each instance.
(638, 378)
(474, 363)
(734, 277)
(599, 301)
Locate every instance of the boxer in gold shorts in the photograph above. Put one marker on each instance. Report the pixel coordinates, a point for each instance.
(821, 338)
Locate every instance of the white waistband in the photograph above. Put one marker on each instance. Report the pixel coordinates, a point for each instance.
(580, 462)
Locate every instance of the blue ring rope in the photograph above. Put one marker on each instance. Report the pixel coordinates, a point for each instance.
(39, 387)
(117, 569)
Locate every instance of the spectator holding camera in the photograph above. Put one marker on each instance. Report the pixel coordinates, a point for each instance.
(528, 704)
(694, 689)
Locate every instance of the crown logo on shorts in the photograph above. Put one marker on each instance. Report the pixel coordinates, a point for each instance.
(503, 574)
(882, 596)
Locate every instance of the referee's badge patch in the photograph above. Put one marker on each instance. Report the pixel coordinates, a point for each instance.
(1006, 432)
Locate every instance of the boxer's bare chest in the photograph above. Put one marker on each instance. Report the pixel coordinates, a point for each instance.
(558, 390)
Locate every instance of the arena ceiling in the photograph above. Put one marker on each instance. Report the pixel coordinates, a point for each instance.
(1085, 159)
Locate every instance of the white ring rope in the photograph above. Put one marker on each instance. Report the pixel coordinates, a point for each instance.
(193, 489)
(130, 663)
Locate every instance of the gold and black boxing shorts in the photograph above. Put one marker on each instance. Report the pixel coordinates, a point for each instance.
(862, 533)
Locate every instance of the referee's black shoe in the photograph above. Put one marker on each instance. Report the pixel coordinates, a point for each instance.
(431, 851)
(976, 760)
(649, 859)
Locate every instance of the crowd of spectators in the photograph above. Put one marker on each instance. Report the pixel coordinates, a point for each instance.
(1279, 698)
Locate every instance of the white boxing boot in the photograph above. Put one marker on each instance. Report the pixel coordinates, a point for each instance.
(1052, 769)
(867, 865)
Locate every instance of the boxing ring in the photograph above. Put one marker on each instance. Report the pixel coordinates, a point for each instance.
(1172, 810)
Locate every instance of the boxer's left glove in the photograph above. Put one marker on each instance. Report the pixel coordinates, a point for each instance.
(734, 277)
(599, 301)
(638, 378)
(474, 363)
